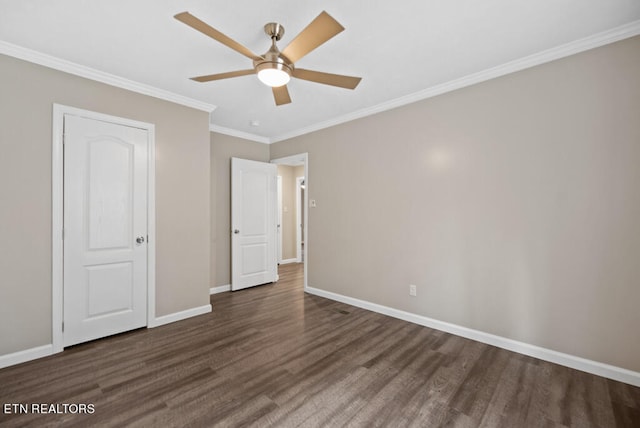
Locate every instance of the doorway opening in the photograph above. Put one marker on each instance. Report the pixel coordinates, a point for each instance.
(293, 214)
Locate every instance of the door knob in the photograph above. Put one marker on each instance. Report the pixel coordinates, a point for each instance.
(236, 231)
(140, 239)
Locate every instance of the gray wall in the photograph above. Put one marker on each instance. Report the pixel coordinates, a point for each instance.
(513, 205)
(223, 148)
(182, 195)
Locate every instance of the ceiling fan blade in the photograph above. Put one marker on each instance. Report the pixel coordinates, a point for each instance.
(316, 33)
(347, 82)
(281, 95)
(206, 29)
(219, 76)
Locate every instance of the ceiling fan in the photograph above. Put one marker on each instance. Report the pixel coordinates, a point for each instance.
(274, 68)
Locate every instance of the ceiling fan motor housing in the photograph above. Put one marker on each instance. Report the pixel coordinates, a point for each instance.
(273, 58)
(273, 61)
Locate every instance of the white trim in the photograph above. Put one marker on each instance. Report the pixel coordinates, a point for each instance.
(100, 76)
(151, 226)
(57, 206)
(179, 316)
(572, 361)
(57, 222)
(220, 289)
(299, 239)
(600, 39)
(240, 134)
(293, 160)
(47, 350)
(287, 261)
(26, 355)
(606, 37)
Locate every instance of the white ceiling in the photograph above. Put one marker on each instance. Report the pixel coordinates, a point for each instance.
(400, 48)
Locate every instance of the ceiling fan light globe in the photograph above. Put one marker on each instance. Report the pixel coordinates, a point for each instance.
(273, 77)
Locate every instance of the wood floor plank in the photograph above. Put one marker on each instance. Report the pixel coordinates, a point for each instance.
(512, 399)
(273, 356)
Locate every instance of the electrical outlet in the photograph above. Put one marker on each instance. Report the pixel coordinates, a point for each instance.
(413, 290)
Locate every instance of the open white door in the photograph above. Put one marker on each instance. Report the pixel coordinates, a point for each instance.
(253, 223)
(105, 228)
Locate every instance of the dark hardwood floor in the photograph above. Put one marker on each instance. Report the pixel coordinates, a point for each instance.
(273, 356)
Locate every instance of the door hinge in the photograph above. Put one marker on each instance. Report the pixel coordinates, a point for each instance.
(63, 326)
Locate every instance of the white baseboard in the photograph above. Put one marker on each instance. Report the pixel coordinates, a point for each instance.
(572, 361)
(26, 355)
(46, 350)
(220, 289)
(287, 261)
(178, 316)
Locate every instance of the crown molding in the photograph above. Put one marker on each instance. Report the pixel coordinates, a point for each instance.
(40, 58)
(600, 39)
(240, 134)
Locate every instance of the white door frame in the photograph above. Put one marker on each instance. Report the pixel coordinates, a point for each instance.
(279, 231)
(57, 219)
(304, 157)
(299, 239)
